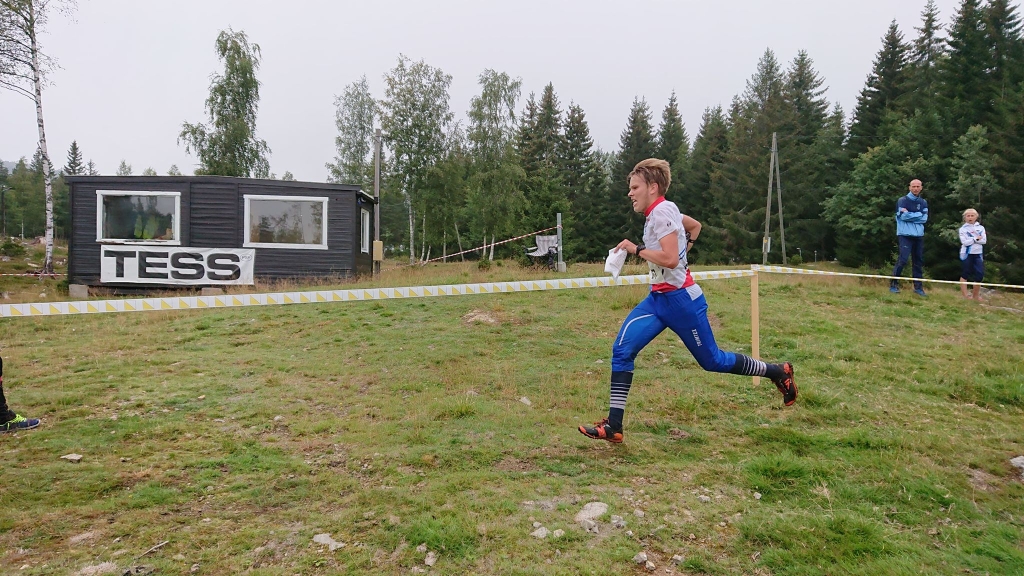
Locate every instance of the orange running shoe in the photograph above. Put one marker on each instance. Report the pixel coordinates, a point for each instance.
(602, 431)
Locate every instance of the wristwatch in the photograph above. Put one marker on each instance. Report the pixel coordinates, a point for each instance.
(639, 246)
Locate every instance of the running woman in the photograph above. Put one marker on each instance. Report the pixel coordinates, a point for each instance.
(675, 302)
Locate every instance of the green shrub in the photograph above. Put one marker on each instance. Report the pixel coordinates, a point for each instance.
(12, 248)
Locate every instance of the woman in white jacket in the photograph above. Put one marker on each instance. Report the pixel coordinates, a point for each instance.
(972, 237)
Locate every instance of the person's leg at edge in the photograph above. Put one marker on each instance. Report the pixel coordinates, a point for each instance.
(917, 257)
(638, 329)
(688, 317)
(904, 257)
(9, 421)
(979, 275)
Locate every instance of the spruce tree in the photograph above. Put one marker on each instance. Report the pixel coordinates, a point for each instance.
(124, 169)
(709, 151)
(1002, 25)
(584, 238)
(885, 88)
(808, 150)
(927, 51)
(545, 194)
(966, 91)
(739, 188)
(673, 142)
(636, 143)
(74, 166)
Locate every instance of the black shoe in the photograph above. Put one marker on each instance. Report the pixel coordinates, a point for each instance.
(19, 423)
(602, 431)
(787, 385)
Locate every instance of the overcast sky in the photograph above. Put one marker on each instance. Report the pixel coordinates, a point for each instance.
(133, 70)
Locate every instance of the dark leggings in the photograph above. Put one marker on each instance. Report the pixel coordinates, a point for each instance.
(6, 414)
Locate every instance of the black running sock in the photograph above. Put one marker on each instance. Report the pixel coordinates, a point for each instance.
(774, 372)
(747, 366)
(621, 381)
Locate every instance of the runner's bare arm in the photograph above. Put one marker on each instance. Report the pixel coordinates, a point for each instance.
(667, 257)
(692, 228)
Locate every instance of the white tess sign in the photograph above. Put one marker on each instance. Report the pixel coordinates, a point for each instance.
(180, 265)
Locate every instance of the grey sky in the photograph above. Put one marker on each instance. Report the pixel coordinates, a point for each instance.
(132, 71)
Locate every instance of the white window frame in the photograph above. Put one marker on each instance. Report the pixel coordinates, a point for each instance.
(99, 216)
(364, 230)
(323, 226)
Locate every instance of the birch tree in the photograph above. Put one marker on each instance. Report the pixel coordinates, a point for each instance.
(229, 146)
(356, 111)
(23, 68)
(417, 122)
(495, 193)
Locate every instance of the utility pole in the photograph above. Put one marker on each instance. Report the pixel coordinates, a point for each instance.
(774, 181)
(376, 205)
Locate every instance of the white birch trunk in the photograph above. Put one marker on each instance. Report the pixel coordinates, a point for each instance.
(37, 81)
(459, 238)
(444, 246)
(412, 230)
(492, 247)
(423, 242)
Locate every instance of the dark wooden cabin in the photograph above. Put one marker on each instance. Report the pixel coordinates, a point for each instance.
(162, 231)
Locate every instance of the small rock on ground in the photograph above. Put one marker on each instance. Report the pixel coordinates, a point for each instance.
(1018, 463)
(431, 559)
(558, 533)
(326, 540)
(592, 511)
(678, 559)
(76, 458)
(541, 533)
(704, 498)
(640, 558)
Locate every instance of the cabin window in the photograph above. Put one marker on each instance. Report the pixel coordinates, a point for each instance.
(145, 217)
(286, 222)
(364, 229)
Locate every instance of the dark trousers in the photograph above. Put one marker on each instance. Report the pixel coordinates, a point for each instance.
(911, 248)
(6, 415)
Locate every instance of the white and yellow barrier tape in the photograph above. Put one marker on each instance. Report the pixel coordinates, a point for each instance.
(788, 270)
(322, 296)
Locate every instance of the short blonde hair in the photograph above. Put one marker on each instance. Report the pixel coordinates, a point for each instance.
(968, 211)
(654, 171)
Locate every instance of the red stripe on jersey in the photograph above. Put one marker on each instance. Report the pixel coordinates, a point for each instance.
(664, 287)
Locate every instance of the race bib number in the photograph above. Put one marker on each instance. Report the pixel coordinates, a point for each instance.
(657, 273)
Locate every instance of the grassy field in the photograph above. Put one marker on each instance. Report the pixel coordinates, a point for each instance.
(236, 435)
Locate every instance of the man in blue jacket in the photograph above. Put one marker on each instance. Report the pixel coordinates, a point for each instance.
(911, 214)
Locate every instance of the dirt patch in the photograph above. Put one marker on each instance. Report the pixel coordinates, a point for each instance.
(510, 464)
(84, 537)
(982, 480)
(716, 324)
(678, 434)
(480, 317)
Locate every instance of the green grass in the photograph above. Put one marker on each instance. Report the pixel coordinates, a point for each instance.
(238, 434)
